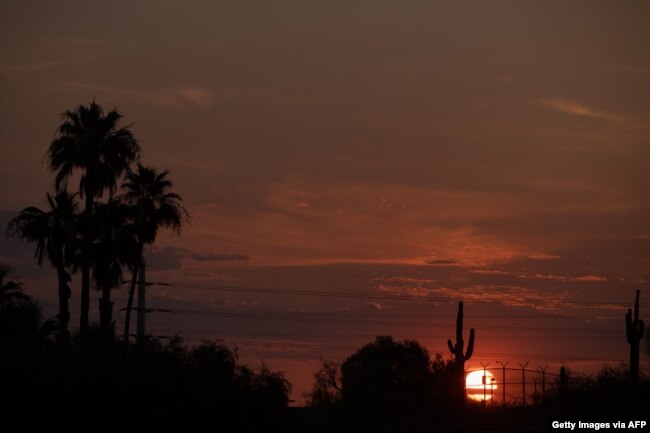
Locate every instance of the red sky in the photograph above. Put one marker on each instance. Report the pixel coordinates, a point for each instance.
(492, 152)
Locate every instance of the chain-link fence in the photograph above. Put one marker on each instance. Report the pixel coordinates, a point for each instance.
(518, 384)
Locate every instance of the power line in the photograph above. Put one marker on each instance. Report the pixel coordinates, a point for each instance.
(293, 345)
(357, 295)
(482, 274)
(374, 322)
(407, 337)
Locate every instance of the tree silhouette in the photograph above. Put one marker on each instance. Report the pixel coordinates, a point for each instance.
(54, 232)
(21, 318)
(94, 144)
(153, 207)
(11, 290)
(388, 378)
(113, 249)
(326, 391)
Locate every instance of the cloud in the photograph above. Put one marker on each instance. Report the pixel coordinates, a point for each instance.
(507, 294)
(170, 97)
(373, 305)
(442, 262)
(563, 278)
(171, 258)
(577, 109)
(50, 53)
(540, 276)
(32, 66)
(210, 257)
(591, 278)
(200, 97)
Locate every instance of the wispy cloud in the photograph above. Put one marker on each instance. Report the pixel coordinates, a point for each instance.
(200, 97)
(46, 54)
(507, 294)
(541, 276)
(172, 258)
(577, 109)
(171, 97)
(442, 262)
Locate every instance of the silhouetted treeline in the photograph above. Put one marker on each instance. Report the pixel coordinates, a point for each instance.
(119, 386)
(390, 385)
(100, 384)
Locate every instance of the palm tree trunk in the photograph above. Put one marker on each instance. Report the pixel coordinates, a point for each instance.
(129, 305)
(85, 268)
(106, 310)
(85, 297)
(64, 310)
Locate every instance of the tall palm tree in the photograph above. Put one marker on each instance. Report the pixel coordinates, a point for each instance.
(95, 145)
(112, 250)
(148, 193)
(54, 231)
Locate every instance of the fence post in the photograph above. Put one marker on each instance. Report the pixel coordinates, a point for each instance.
(523, 382)
(484, 383)
(543, 382)
(503, 380)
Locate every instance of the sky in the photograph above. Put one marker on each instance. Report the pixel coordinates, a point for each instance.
(356, 168)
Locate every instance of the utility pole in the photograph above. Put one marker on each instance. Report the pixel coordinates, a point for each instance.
(141, 304)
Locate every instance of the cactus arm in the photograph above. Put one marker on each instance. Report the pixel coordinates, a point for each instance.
(470, 345)
(459, 323)
(451, 347)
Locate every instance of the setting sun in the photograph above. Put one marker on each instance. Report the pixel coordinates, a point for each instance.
(477, 388)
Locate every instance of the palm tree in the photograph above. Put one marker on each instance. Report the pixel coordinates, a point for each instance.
(154, 207)
(54, 231)
(11, 290)
(113, 248)
(92, 143)
(21, 317)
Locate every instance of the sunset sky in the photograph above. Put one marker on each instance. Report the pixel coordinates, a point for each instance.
(387, 159)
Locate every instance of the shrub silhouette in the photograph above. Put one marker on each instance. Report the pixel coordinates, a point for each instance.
(326, 391)
(151, 386)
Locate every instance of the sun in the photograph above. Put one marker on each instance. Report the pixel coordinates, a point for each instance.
(477, 389)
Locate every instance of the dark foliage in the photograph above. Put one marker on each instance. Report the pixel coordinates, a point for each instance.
(389, 378)
(21, 318)
(100, 386)
(326, 391)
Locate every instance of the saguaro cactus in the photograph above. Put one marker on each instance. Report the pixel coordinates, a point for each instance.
(634, 332)
(460, 356)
